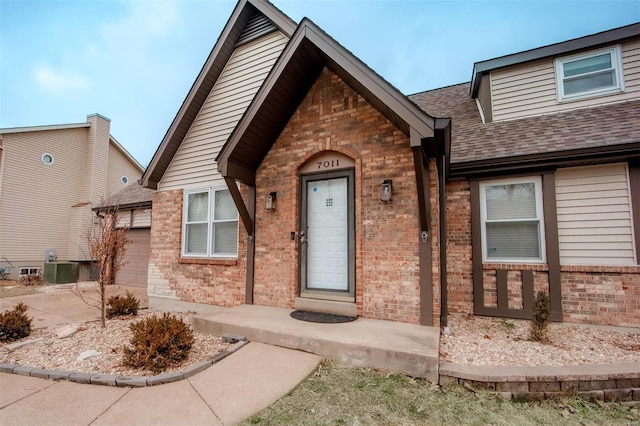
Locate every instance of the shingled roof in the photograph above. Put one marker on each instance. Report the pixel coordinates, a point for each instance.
(473, 142)
(131, 197)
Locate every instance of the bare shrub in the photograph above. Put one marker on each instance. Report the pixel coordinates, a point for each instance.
(122, 305)
(14, 323)
(29, 280)
(158, 343)
(541, 317)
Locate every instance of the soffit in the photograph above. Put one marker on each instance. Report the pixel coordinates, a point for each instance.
(308, 52)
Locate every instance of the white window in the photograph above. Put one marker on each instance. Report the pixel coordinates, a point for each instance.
(26, 271)
(210, 224)
(512, 226)
(591, 74)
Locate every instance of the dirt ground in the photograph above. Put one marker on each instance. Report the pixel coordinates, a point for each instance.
(10, 288)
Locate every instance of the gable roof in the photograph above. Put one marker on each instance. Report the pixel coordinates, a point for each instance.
(580, 136)
(131, 197)
(303, 59)
(587, 42)
(240, 28)
(11, 130)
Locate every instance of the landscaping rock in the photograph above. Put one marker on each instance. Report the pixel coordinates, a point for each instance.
(67, 331)
(13, 346)
(88, 354)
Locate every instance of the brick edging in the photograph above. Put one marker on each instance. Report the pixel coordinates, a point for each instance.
(121, 381)
(606, 382)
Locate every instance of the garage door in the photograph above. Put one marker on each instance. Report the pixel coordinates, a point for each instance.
(134, 272)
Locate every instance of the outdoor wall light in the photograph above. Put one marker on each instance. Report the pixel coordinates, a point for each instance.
(270, 201)
(386, 191)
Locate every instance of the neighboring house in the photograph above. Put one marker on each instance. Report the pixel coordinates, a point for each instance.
(50, 176)
(133, 206)
(295, 176)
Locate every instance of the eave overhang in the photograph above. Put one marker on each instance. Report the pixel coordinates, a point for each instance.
(205, 81)
(532, 163)
(303, 59)
(557, 49)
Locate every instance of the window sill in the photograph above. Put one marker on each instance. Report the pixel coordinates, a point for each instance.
(201, 261)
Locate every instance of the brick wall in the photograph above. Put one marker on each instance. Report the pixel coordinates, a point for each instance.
(459, 265)
(211, 281)
(333, 117)
(590, 294)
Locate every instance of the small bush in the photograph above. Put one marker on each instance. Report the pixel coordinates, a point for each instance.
(541, 317)
(32, 280)
(158, 343)
(15, 324)
(122, 305)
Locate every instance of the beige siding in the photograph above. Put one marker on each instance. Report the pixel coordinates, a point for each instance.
(36, 198)
(194, 163)
(594, 215)
(119, 165)
(530, 89)
(94, 185)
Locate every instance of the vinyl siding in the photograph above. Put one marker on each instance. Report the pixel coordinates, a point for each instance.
(530, 89)
(194, 164)
(594, 215)
(141, 218)
(94, 185)
(118, 166)
(36, 198)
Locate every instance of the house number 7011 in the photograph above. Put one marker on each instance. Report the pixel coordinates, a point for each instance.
(327, 164)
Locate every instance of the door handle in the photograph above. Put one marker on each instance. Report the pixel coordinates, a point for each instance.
(303, 238)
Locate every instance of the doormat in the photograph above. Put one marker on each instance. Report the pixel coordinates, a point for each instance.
(321, 317)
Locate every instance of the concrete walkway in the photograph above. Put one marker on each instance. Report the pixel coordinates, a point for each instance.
(229, 391)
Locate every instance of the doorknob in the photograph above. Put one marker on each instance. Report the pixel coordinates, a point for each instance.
(303, 238)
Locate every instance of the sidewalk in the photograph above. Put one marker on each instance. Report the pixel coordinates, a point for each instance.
(229, 391)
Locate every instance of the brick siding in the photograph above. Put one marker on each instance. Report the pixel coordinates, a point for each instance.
(211, 281)
(607, 295)
(333, 117)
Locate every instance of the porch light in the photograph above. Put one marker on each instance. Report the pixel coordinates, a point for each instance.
(270, 201)
(386, 191)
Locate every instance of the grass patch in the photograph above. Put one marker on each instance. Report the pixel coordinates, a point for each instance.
(507, 325)
(337, 395)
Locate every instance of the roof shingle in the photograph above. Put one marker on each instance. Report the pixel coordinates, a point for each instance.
(472, 140)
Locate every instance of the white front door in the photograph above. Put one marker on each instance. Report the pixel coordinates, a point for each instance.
(326, 245)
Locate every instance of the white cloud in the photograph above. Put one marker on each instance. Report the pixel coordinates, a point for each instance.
(59, 82)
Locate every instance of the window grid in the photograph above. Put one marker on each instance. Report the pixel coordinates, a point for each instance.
(489, 226)
(614, 69)
(210, 221)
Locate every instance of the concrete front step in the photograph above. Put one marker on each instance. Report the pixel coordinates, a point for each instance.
(394, 346)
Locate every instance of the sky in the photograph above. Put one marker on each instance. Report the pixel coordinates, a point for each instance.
(134, 61)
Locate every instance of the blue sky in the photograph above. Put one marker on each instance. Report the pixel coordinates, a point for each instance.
(134, 61)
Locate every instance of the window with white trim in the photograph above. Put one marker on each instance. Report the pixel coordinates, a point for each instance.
(591, 74)
(512, 222)
(210, 224)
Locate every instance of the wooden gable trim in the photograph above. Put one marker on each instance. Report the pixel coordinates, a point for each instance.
(308, 52)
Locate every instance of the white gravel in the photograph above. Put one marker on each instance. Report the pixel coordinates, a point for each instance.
(492, 341)
(53, 353)
(471, 340)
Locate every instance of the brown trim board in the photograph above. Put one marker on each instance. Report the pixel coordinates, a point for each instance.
(247, 220)
(476, 247)
(551, 243)
(251, 248)
(424, 250)
(634, 184)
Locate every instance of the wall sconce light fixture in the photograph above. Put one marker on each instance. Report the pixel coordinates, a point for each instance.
(386, 191)
(270, 201)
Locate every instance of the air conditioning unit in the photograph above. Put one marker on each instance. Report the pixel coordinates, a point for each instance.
(61, 272)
